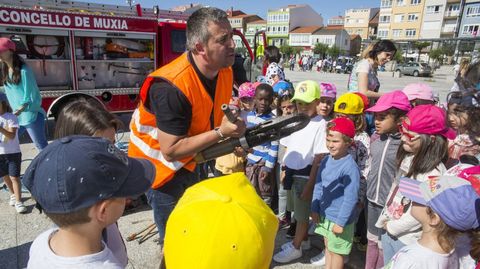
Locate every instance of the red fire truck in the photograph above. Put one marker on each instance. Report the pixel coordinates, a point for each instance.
(93, 50)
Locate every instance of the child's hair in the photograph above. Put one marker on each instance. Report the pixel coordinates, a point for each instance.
(84, 117)
(359, 121)
(472, 125)
(475, 243)
(272, 54)
(283, 96)
(264, 87)
(344, 137)
(68, 219)
(446, 234)
(6, 107)
(432, 152)
(396, 113)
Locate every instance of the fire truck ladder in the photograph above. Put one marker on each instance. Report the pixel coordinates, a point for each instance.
(98, 9)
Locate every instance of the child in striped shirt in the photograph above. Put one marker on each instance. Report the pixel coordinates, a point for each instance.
(262, 159)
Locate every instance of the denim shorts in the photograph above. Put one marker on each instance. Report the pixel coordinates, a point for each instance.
(10, 164)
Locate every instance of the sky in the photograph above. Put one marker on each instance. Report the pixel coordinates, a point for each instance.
(327, 8)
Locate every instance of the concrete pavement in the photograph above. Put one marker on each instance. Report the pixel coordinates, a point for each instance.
(18, 231)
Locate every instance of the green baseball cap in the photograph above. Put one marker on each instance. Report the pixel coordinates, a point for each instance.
(307, 91)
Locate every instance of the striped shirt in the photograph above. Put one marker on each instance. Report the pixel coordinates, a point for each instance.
(266, 152)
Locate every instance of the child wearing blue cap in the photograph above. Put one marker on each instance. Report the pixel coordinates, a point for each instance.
(445, 206)
(10, 154)
(82, 193)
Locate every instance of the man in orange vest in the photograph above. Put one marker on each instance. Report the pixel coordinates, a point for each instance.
(180, 112)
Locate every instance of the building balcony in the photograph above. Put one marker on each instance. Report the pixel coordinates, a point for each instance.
(448, 30)
(451, 14)
(453, 1)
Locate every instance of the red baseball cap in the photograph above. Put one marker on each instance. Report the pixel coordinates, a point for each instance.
(6, 44)
(430, 120)
(366, 103)
(343, 125)
(472, 174)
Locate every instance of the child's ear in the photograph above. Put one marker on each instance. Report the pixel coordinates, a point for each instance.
(100, 211)
(435, 219)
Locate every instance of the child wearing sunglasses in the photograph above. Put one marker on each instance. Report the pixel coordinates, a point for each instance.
(389, 112)
(420, 157)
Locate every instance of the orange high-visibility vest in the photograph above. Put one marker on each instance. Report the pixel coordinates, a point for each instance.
(144, 132)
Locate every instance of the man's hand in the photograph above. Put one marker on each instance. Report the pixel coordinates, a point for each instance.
(315, 217)
(239, 152)
(263, 175)
(337, 229)
(229, 129)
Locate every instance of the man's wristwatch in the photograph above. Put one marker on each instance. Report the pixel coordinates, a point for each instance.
(219, 133)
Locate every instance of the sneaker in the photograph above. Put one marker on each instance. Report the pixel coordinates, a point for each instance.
(20, 207)
(291, 230)
(13, 200)
(306, 245)
(362, 247)
(288, 254)
(318, 260)
(283, 224)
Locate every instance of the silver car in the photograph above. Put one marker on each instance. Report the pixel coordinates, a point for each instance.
(415, 69)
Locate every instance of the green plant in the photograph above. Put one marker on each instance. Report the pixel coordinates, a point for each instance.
(398, 57)
(286, 50)
(320, 49)
(436, 54)
(334, 51)
(297, 50)
(420, 46)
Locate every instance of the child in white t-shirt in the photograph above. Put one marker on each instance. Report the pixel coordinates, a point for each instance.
(10, 155)
(445, 206)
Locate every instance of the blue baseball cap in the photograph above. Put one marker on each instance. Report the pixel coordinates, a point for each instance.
(454, 199)
(3, 97)
(75, 172)
(282, 86)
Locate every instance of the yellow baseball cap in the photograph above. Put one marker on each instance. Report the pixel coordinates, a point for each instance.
(306, 91)
(349, 103)
(220, 223)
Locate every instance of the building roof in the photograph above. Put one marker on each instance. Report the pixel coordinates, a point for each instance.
(374, 20)
(232, 13)
(327, 31)
(258, 22)
(289, 6)
(334, 27)
(305, 30)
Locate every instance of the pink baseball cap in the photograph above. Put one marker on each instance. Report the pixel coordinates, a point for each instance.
(396, 99)
(6, 44)
(430, 120)
(328, 90)
(247, 89)
(418, 91)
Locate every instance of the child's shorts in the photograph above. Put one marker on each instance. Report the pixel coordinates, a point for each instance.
(301, 208)
(336, 243)
(10, 164)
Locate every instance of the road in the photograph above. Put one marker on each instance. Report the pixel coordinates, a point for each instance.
(18, 231)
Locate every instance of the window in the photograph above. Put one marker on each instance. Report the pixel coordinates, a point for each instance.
(178, 39)
(410, 32)
(284, 29)
(471, 29)
(399, 18)
(382, 33)
(384, 19)
(396, 32)
(386, 3)
(268, 29)
(433, 9)
(400, 3)
(415, 2)
(473, 11)
(454, 7)
(413, 17)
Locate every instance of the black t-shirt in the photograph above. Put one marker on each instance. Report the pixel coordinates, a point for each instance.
(172, 110)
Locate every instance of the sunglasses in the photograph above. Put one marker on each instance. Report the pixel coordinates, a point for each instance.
(403, 129)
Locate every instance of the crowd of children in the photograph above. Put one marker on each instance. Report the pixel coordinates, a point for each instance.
(408, 195)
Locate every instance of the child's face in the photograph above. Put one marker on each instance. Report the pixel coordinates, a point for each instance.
(411, 140)
(247, 103)
(287, 107)
(263, 99)
(385, 123)
(309, 109)
(107, 133)
(336, 145)
(325, 106)
(457, 118)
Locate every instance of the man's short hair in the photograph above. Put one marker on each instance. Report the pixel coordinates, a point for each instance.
(197, 25)
(68, 219)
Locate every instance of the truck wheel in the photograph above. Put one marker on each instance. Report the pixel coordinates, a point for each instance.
(415, 73)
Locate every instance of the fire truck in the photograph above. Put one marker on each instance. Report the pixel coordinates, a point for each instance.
(91, 50)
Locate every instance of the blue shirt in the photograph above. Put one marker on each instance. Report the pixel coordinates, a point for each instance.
(336, 189)
(267, 152)
(25, 92)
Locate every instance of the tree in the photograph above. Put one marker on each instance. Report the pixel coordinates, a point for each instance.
(286, 50)
(297, 50)
(334, 51)
(436, 54)
(398, 57)
(420, 46)
(320, 49)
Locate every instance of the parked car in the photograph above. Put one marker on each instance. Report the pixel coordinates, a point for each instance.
(415, 69)
(344, 65)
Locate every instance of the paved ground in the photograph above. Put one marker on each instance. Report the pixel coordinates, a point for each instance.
(18, 231)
